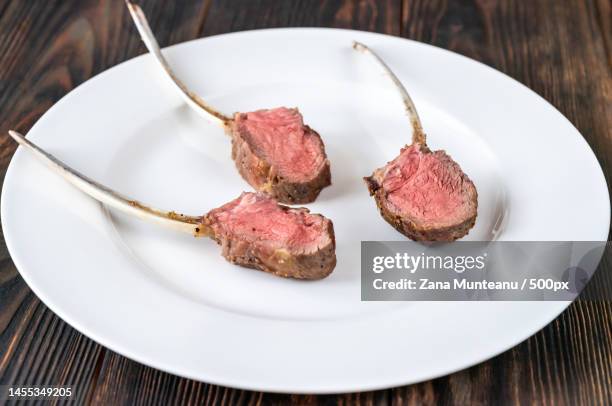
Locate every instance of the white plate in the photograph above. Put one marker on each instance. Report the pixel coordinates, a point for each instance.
(171, 301)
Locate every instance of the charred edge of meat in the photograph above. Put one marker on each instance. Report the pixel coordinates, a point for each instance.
(409, 228)
(263, 177)
(372, 185)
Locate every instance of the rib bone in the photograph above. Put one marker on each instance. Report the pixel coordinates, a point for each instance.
(192, 99)
(103, 194)
(418, 136)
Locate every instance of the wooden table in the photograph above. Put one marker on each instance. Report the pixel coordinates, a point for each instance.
(562, 49)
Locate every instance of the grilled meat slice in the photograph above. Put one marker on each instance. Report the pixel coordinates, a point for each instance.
(256, 232)
(280, 156)
(425, 195)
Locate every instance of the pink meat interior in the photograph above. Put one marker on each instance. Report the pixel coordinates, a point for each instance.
(256, 218)
(283, 140)
(430, 188)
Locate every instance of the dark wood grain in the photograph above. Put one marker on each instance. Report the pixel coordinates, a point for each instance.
(560, 49)
(237, 15)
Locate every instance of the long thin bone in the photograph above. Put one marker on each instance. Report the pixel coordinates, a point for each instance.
(103, 194)
(418, 136)
(192, 99)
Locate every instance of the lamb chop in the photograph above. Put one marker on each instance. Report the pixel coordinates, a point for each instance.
(424, 194)
(253, 230)
(274, 151)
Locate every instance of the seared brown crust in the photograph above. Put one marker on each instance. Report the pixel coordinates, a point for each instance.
(312, 266)
(264, 177)
(412, 230)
